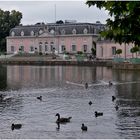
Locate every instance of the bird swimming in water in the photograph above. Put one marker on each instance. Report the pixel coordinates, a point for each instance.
(16, 126)
(62, 120)
(90, 103)
(98, 114)
(110, 83)
(113, 98)
(83, 127)
(39, 98)
(117, 107)
(86, 85)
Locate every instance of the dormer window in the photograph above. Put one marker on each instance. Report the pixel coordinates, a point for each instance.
(63, 32)
(22, 33)
(85, 31)
(52, 31)
(12, 33)
(32, 33)
(74, 31)
(40, 31)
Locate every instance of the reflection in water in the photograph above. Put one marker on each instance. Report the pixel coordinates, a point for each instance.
(62, 90)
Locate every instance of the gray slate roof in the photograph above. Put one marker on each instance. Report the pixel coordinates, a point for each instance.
(67, 27)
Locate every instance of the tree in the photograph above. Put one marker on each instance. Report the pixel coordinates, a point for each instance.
(59, 22)
(8, 20)
(135, 49)
(118, 52)
(124, 22)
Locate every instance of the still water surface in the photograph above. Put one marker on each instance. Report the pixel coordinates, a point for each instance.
(63, 92)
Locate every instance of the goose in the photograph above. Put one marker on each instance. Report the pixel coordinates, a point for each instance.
(98, 114)
(83, 127)
(90, 103)
(86, 85)
(16, 126)
(62, 120)
(113, 98)
(39, 98)
(116, 107)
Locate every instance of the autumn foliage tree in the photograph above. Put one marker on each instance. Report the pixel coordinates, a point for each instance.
(8, 20)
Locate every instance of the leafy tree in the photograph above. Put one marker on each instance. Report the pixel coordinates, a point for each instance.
(135, 49)
(119, 51)
(59, 22)
(124, 22)
(8, 20)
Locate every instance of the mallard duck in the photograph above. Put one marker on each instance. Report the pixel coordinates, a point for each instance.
(86, 85)
(116, 107)
(98, 114)
(110, 83)
(62, 120)
(84, 128)
(90, 103)
(113, 98)
(16, 126)
(39, 98)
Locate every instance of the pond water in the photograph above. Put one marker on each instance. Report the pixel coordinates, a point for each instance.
(62, 90)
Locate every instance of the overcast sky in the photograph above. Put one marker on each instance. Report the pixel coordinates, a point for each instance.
(44, 11)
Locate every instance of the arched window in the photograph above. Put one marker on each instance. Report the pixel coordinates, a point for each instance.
(32, 33)
(22, 33)
(52, 46)
(63, 32)
(12, 33)
(85, 31)
(52, 31)
(40, 31)
(74, 31)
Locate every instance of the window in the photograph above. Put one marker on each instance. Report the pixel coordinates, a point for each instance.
(12, 49)
(74, 31)
(40, 31)
(40, 46)
(31, 48)
(85, 31)
(32, 33)
(52, 31)
(113, 50)
(52, 46)
(22, 33)
(63, 48)
(63, 32)
(73, 48)
(12, 33)
(46, 46)
(85, 48)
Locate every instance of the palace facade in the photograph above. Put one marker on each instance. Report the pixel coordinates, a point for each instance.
(65, 37)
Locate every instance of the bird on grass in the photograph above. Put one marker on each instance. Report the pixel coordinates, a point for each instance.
(16, 126)
(62, 120)
(83, 127)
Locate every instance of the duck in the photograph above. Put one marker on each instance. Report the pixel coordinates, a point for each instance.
(117, 107)
(16, 126)
(113, 98)
(83, 127)
(62, 120)
(39, 98)
(110, 83)
(98, 114)
(86, 85)
(90, 103)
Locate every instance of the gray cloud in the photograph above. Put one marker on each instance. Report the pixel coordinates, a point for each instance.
(44, 11)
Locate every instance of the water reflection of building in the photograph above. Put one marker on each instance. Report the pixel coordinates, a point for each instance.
(3, 77)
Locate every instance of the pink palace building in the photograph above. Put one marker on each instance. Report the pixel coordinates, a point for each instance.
(69, 36)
